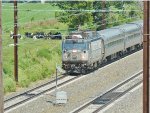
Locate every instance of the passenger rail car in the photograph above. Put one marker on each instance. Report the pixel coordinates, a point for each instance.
(82, 51)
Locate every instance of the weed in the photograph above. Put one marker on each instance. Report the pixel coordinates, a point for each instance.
(9, 85)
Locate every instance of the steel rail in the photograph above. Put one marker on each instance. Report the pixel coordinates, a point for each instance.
(117, 97)
(31, 96)
(109, 91)
(16, 96)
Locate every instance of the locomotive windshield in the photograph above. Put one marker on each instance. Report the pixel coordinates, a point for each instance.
(74, 44)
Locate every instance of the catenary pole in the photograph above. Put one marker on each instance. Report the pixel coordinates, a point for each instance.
(146, 57)
(1, 77)
(104, 15)
(15, 41)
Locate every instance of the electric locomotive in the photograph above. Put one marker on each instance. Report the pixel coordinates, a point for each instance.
(79, 49)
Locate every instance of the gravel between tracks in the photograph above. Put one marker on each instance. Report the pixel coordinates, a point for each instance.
(86, 88)
(130, 103)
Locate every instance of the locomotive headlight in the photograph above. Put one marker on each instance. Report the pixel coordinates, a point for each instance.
(65, 55)
(84, 56)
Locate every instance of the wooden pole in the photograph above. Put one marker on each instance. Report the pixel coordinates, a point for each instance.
(146, 58)
(104, 15)
(15, 41)
(1, 76)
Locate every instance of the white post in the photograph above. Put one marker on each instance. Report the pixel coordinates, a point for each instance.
(56, 78)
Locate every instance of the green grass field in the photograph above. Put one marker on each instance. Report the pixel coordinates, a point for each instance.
(36, 58)
(27, 13)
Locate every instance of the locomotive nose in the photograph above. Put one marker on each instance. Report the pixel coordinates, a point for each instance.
(76, 55)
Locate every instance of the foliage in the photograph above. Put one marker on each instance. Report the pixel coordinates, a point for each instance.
(119, 12)
(75, 18)
(45, 53)
(87, 20)
(23, 78)
(28, 13)
(9, 85)
(35, 62)
(35, 57)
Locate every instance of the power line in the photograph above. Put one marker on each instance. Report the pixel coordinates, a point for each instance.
(106, 19)
(59, 16)
(23, 19)
(107, 11)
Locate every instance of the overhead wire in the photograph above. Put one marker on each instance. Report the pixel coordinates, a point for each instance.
(106, 19)
(76, 14)
(75, 10)
(20, 20)
(13, 8)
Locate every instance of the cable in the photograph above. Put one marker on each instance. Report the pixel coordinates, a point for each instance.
(107, 11)
(22, 18)
(106, 19)
(72, 14)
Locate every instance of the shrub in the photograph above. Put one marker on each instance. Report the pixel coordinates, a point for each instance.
(34, 72)
(45, 67)
(7, 69)
(44, 53)
(25, 62)
(23, 79)
(58, 50)
(9, 85)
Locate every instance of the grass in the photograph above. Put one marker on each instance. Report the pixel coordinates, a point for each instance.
(36, 58)
(27, 13)
(36, 61)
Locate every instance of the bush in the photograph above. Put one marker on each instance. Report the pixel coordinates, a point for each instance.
(7, 68)
(23, 79)
(9, 85)
(34, 72)
(25, 62)
(44, 53)
(58, 51)
(45, 67)
(34, 64)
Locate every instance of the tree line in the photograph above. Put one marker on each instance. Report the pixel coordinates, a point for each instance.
(88, 14)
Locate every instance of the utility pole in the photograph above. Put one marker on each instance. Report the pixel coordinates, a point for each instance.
(104, 14)
(146, 34)
(1, 76)
(15, 41)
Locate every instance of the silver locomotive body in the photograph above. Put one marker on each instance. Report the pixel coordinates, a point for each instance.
(80, 51)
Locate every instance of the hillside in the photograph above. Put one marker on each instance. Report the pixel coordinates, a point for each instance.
(37, 58)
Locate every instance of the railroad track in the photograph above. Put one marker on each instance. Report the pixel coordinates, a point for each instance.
(102, 101)
(35, 92)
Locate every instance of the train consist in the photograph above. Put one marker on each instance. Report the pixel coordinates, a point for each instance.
(83, 51)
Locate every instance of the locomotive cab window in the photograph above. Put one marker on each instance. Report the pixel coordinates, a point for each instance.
(75, 44)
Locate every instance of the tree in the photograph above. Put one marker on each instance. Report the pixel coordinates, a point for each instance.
(117, 12)
(75, 13)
